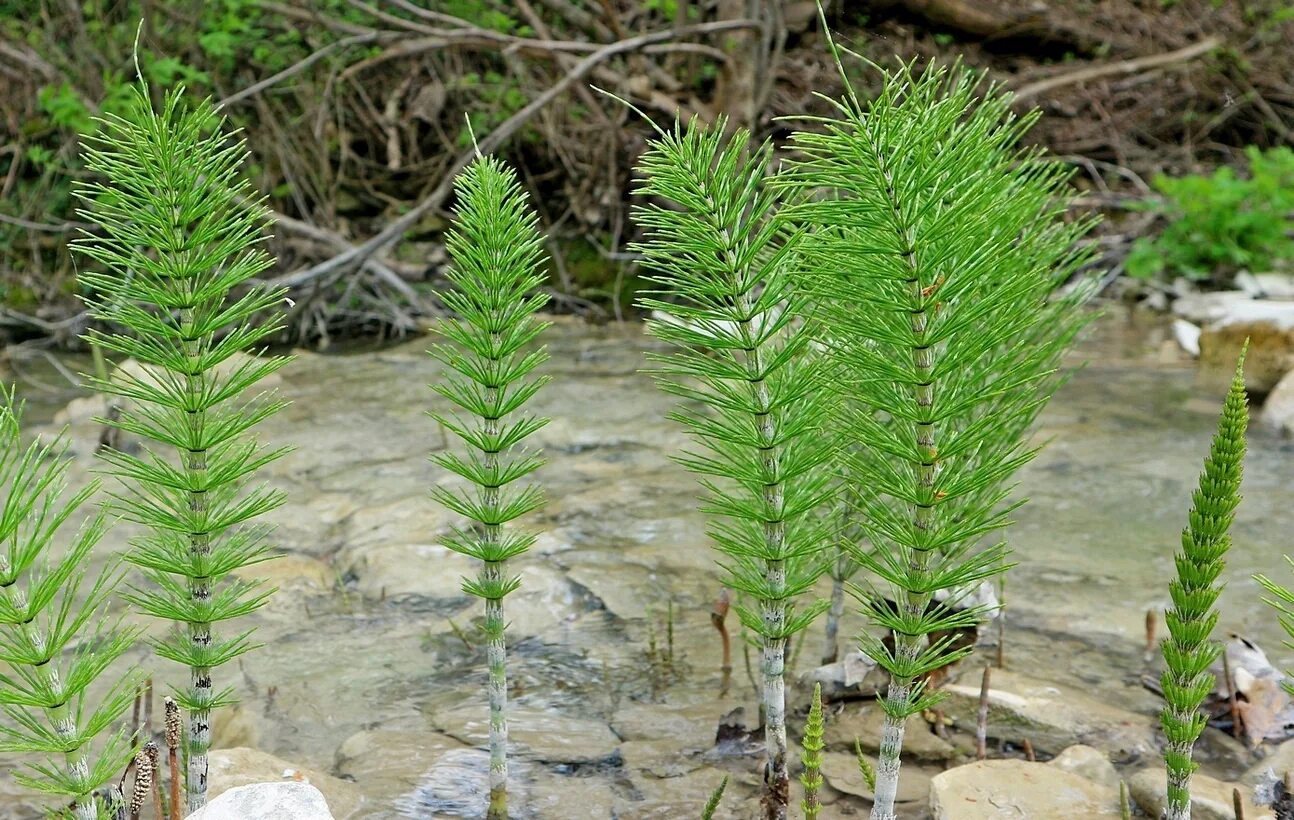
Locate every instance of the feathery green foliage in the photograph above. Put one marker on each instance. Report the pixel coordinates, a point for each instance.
(724, 270)
(496, 249)
(180, 236)
(811, 756)
(1189, 650)
(55, 638)
(712, 805)
(937, 246)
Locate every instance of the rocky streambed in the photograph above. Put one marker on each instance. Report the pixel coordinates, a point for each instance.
(371, 678)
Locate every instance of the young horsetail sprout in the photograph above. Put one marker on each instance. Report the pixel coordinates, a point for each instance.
(1189, 651)
(495, 250)
(811, 757)
(936, 249)
(54, 643)
(180, 233)
(724, 270)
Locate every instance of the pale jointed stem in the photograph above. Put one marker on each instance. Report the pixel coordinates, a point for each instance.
(492, 574)
(902, 691)
(60, 716)
(198, 742)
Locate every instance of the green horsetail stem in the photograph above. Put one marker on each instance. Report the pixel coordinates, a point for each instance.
(934, 248)
(495, 251)
(725, 297)
(1190, 651)
(55, 637)
(180, 240)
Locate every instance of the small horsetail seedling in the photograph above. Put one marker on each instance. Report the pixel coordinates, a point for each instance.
(1189, 650)
(179, 232)
(725, 272)
(936, 249)
(53, 642)
(495, 249)
(811, 757)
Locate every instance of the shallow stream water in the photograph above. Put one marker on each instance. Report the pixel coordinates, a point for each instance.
(372, 669)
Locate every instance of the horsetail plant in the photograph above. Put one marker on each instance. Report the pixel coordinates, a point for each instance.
(1189, 650)
(180, 236)
(811, 757)
(725, 298)
(495, 250)
(937, 247)
(53, 641)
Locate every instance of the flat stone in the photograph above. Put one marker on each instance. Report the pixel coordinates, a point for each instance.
(672, 798)
(398, 569)
(1280, 759)
(1085, 761)
(390, 762)
(267, 801)
(840, 770)
(993, 789)
(864, 722)
(241, 766)
(537, 734)
(1211, 799)
(1052, 717)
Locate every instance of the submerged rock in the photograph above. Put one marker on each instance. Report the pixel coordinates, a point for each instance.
(267, 801)
(1053, 717)
(993, 789)
(1211, 799)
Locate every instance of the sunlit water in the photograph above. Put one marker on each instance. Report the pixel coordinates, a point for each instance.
(382, 640)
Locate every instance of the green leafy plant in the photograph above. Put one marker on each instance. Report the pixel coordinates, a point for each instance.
(56, 637)
(1222, 223)
(1189, 650)
(724, 269)
(936, 249)
(179, 237)
(712, 805)
(495, 248)
(811, 756)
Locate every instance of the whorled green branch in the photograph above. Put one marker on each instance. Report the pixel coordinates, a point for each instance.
(495, 249)
(1190, 651)
(56, 637)
(180, 238)
(725, 296)
(935, 247)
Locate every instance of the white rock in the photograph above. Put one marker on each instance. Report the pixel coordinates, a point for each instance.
(1187, 336)
(1278, 408)
(1201, 308)
(1269, 327)
(267, 801)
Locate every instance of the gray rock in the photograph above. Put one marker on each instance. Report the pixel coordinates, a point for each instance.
(1085, 761)
(267, 801)
(993, 789)
(840, 770)
(864, 723)
(537, 734)
(1053, 717)
(1211, 799)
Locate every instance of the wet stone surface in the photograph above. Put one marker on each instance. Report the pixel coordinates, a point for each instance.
(370, 642)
